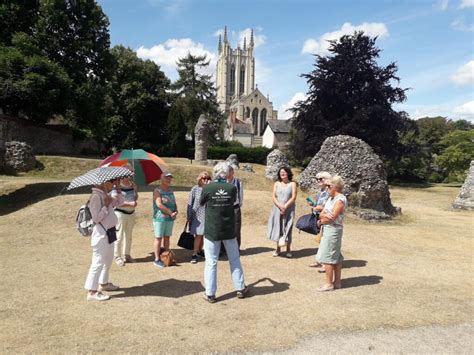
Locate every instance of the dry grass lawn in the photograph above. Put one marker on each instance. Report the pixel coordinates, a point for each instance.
(414, 271)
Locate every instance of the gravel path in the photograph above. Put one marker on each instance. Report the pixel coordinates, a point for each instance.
(453, 339)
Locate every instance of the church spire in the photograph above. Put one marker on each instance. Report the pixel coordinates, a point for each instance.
(225, 34)
(251, 38)
(219, 46)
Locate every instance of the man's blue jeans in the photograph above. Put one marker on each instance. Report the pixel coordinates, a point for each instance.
(211, 250)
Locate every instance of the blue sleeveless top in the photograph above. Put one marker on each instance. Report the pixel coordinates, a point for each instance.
(168, 199)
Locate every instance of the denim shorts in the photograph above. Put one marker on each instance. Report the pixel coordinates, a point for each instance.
(163, 228)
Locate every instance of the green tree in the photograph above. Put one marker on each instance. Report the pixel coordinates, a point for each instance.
(17, 16)
(197, 92)
(462, 125)
(349, 93)
(66, 41)
(137, 103)
(32, 86)
(177, 129)
(457, 155)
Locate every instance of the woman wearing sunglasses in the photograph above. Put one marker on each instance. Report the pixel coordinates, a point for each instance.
(196, 214)
(331, 219)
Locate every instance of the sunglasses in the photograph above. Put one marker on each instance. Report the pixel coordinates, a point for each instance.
(329, 186)
(206, 178)
(319, 179)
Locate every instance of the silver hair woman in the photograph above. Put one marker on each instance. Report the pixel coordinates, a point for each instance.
(331, 219)
(317, 206)
(220, 171)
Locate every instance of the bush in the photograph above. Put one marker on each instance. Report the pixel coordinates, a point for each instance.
(257, 155)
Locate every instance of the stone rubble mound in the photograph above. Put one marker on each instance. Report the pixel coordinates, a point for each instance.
(233, 161)
(465, 199)
(18, 156)
(275, 160)
(363, 173)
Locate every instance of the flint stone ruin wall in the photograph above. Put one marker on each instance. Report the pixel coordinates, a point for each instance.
(465, 199)
(201, 133)
(44, 139)
(363, 173)
(275, 160)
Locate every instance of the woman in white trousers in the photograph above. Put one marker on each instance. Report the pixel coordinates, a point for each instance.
(101, 205)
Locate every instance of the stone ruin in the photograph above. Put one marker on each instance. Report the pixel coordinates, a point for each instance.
(17, 157)
(275, 160)
(248, 168)
(201, 133)
(363, 173)
(465, 199)
(233, 161)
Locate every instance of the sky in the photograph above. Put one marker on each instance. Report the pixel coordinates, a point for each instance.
(432, 42)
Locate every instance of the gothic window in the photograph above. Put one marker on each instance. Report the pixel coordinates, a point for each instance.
(255, 120)
(232, 79)
(263, 120)
(242, 79)
(247, 112)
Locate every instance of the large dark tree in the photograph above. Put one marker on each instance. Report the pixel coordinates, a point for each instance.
(349, 93)
(196, 95)
(31, 85)
(17, 16)
(69, 42)
(137, 104)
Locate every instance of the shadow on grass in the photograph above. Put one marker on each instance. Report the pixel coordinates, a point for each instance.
(347, 264)
(255, 290)
(302, 253)
(171, 288)
(33, 193)
(255, 250)
(361, 281)
(29, 195)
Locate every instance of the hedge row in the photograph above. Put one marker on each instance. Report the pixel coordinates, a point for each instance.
(257, 155)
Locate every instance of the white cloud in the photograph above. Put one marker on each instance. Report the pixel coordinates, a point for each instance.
(167, 54)
(466, 3)
(443, 4)
(458, 24)
(258, 39)
(449, 109)
(283, 114)
(320, 46)
(464, 74)
(465, 110)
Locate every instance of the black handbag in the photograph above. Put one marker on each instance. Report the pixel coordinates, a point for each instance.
(186, 239)
(307, 223)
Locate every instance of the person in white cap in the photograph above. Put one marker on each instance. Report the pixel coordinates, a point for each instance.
(165, 211)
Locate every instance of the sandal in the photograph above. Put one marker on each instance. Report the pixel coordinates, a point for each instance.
(315, 264)
(275, 253)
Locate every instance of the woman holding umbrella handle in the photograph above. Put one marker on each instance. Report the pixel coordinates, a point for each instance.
(126, 220)
(101, 206)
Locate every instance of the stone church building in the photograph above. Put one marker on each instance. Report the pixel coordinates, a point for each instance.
(246, 108)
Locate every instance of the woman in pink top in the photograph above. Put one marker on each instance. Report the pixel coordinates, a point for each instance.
(101, 205)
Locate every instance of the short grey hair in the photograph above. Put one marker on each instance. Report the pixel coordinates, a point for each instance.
(323, 175)
(337, 181)
(221, 171)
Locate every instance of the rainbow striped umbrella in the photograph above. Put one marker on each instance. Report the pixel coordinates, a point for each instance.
(147, 166)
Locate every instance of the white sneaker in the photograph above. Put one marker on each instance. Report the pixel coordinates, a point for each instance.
(98, 296)
(108, 287)
(120, 262)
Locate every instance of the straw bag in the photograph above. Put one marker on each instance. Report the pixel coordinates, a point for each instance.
(168, 258)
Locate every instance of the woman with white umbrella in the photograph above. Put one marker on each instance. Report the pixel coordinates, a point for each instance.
(105, 196)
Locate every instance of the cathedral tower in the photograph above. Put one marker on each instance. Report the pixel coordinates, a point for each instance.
(235, 71)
